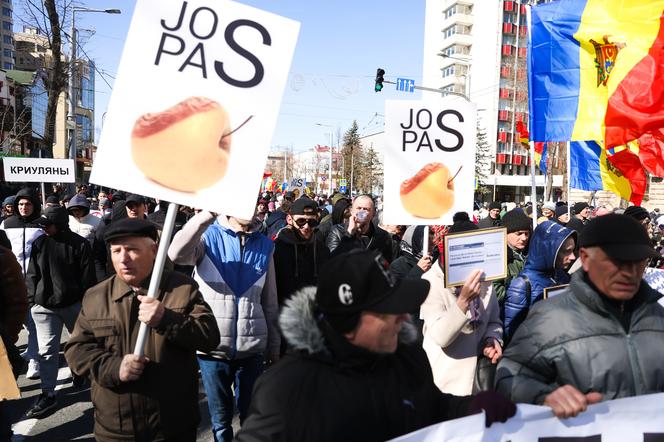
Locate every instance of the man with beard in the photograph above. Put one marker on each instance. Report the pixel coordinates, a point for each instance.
(298, 253)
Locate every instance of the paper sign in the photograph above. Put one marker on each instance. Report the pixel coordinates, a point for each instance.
(39, 170)
(195, 103)
(429, 161)
(297, 186)
(484, 250)
(8, 387)
(630, 419)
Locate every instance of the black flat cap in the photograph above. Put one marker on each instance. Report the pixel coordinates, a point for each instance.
(620, 236)
(130, 227)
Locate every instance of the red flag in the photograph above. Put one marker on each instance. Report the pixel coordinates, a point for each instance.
(524, 136)
(629, 164)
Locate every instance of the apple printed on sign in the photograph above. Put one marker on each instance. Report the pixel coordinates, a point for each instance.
(195, 134)
(430, 193)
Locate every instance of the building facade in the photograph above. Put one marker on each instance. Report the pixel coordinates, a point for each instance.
(477, 48)
(7, 33)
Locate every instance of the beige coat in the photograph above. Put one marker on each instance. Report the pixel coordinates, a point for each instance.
(451, 343)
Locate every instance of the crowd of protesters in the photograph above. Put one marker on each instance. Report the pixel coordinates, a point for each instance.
(315, 320)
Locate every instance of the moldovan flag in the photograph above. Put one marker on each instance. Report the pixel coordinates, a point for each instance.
(595, 72)
(591, 169)
(540, 148)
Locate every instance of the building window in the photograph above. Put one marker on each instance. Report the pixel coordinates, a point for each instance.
(448, 71)
(6, 12)
(456, 49)
(7, 66)
(6, 26)
(7, 53)
(7, 39)
(458, 9)
(456, 29)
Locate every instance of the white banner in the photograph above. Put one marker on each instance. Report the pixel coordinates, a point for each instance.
(429, 160)
(195, 103)
(39, 170)
(637, 419)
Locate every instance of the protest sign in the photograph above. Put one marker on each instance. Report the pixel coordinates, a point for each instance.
(39, 170)
(466, 252)
(622, 420)
(429, 161)
(195, 103)
(297, 186)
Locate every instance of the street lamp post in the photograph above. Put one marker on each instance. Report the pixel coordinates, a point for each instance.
(330, 168)
(71, 113)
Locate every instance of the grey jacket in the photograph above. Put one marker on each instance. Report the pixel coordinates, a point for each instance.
(584, 339)
(235, 274)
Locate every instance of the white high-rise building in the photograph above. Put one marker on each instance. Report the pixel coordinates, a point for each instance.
(477, 48)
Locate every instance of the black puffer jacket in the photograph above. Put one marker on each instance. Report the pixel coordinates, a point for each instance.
(331, 390)
(339, 241)
(584, 339)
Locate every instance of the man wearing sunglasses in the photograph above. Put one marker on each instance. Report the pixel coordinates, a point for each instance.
(298, 253)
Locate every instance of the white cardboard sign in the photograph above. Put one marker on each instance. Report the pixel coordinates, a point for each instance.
(635, 419)
(195, 103)
(429, 161)
(39, 170)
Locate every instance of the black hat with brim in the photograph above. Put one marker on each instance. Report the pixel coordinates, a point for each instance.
(129, 227)
(406, 297)
(621, 237)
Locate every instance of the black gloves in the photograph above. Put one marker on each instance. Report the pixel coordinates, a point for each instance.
(495, 405)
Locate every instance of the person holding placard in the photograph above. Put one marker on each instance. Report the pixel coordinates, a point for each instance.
(519, 228)
(457, 322)
(602, 338)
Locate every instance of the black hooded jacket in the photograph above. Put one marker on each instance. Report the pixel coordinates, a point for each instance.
(405, 266)
(297, 262)
(330, 390)
(23, 231)
(337, 217)
(61, 267)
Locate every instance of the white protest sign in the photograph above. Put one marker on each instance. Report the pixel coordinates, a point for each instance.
(429, 161)
(39, 170)
(635, 419)
(195, 103)
(297, 185)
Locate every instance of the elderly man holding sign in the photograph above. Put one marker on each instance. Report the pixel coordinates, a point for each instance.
(150, 397)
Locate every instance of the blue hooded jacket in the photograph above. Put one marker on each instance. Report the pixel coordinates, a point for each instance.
(538, 273)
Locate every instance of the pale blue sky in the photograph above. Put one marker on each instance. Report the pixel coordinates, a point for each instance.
(341, 43)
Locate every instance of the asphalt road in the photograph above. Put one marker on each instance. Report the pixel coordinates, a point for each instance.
(73, 419)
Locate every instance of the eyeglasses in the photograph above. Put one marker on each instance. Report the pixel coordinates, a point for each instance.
(302, 221)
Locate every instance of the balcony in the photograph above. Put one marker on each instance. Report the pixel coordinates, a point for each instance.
(507, 50)
(523, 30)
(521, 74)
(504, 115)
(502, 158)
(509, 6)
(506, 72)
(505, 137)
(509, 28)
(523, 52)
(505, 93)
(523, 9)
(521, 96)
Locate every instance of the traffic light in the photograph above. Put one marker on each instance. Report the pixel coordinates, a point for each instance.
(379, 80)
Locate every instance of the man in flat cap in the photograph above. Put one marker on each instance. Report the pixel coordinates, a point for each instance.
(602, 338)
(357, 372)
(152, 397)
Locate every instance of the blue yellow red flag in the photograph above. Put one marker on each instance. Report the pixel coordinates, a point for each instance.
(590, 169)
(595, 70)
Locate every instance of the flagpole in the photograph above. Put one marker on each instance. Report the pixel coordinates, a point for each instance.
(533, 186)
(569, 181)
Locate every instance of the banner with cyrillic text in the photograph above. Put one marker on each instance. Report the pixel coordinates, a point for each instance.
(195, 103)
(39, 170)
(637, 419)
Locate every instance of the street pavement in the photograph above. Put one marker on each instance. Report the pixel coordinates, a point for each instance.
(73, 420)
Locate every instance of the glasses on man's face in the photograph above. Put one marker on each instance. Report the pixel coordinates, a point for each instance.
(313, 222)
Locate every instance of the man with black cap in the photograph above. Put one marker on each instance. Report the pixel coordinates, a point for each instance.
(602, 338)
(155, 396)
(298, 252)
(356, 374)
(580, 218)
(135, 206)
(493, 220)
(519, 228)
(61, 269)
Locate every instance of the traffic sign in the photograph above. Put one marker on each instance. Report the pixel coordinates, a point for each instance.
(405, 85)
(343, 183)
(342, 189)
